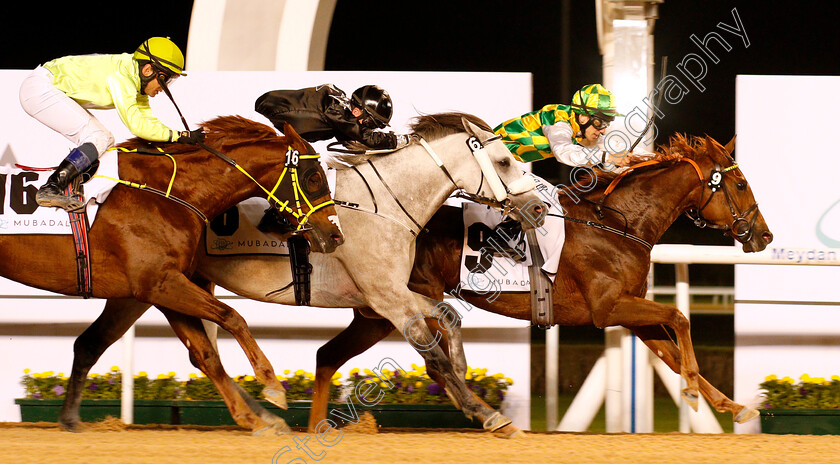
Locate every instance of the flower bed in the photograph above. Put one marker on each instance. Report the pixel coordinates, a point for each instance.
(809, 407)
(405, 399)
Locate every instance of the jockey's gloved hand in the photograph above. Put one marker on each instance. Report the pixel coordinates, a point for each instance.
(404, 140)
(191, 137)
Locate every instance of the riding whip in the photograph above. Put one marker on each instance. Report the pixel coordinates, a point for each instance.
(655, 108)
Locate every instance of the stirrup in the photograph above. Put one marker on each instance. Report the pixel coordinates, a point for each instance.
(47, 198)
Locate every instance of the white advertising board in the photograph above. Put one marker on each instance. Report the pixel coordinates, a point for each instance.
(494, 97)
(787, 318)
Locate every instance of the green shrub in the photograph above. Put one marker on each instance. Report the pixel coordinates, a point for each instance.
(808, 393)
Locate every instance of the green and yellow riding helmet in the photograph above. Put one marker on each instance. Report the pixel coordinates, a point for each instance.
(595, 100)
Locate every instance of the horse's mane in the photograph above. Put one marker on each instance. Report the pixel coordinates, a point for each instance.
(680, 146)
(435, 126)
(222, 131)
(428, 126)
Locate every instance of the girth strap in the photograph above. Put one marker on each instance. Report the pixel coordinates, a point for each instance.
(301, 269)
(79, 226)
(542, 301)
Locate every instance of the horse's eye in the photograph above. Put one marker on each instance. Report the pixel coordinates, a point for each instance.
(314, 182)
(504, 163)
(742, 186)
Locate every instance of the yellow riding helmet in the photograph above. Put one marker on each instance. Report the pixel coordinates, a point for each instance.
(163, 53)
(595, 99)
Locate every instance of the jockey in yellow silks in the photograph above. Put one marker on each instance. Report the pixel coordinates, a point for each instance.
(570, 133)
(60, 92)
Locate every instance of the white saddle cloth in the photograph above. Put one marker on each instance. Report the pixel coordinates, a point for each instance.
(497, 272)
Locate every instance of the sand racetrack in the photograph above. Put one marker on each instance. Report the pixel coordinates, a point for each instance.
(45, 443)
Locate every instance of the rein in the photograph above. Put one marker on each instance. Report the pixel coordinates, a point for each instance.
(497, 185)
(292, 159)
(695, 214)
(165, 194)
(601, 226)
(479, 152)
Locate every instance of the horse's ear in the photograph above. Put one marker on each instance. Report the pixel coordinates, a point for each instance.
(474, 130)
(715, 151)
(289, 131)
(730, 147)
(468, 126)
(296, 141)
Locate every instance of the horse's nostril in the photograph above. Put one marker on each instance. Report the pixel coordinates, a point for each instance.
(337, 238)
(767, 236)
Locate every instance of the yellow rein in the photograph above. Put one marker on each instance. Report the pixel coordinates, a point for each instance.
(281, 205)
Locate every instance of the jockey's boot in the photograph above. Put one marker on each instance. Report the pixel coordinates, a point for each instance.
(512, 239)
(52, 193)
(275, 223)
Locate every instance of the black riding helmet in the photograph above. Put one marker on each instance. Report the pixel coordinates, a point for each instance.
(376, 102)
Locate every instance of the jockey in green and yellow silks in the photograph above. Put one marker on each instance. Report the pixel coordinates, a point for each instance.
(570, 133)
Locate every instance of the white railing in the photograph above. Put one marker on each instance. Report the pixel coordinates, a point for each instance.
(625, 357)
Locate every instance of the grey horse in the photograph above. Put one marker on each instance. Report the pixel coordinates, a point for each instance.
(393, 197)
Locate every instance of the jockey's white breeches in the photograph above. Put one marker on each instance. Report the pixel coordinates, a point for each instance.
(61, 113)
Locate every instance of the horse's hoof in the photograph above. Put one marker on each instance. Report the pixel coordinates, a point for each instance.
(690, 396)
(275, 429)
(72, 426)
(275, 397)
(511, 431)
(495, 422)
(746, 414)
(271, 418)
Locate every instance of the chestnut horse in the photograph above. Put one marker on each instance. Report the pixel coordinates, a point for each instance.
(602, 276)
(143, 246)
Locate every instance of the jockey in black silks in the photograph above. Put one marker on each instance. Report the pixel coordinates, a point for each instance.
(321, 113)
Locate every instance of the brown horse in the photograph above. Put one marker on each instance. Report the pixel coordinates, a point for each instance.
(602, 276)
(143, 246)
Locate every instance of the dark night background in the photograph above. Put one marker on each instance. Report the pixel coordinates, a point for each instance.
(785, 38)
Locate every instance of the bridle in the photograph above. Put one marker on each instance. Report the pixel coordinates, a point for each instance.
(715, 183)
(291, 164)
(293, 157)
(739, 217)
(501, 191)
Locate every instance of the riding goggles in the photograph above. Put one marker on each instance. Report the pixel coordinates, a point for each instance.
(599, 123)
